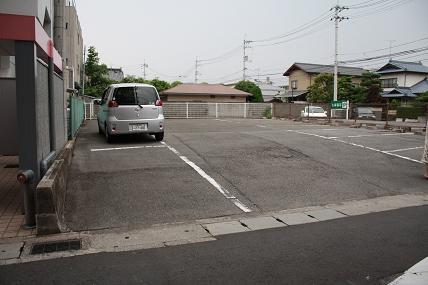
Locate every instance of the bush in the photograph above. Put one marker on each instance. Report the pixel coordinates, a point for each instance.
(410, 112)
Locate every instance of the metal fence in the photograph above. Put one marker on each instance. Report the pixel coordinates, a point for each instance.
(76, 115)
(217, 110)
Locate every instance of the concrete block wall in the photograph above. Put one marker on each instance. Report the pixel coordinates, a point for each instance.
(50, 194)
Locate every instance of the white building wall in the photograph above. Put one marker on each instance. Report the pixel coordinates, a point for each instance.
(404, 79)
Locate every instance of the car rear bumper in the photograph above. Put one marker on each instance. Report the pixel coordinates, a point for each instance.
(122, 127)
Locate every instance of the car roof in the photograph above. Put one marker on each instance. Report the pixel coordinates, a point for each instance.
(117, 85)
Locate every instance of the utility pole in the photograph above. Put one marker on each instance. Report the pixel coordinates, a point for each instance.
(337, 19)
(196, 70)
(390, 48)
(144, 69)
(245, 59)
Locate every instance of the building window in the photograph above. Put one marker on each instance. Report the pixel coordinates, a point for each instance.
(294, 84)
(232, 97)
(212, 96)
(388, 83)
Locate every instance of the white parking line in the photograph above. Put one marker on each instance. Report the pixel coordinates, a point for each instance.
(404, 149)
(211, 180)
(261, 126)
(358, 145)
(127, 147)
(372, 135)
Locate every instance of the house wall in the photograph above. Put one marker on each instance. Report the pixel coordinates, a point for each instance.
(404, 79)
(303, 79)
(205, 98)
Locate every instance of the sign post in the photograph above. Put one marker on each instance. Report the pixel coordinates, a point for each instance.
(340, 104)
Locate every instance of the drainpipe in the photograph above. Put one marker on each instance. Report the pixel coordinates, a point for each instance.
(52, 135)
(25, 178)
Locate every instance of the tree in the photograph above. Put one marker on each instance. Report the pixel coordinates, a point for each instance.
(423, 98)
(250, 87)
(321, 91)
(370, 83)
(348, 90)
(133, 79)
(96, 74)
(175, 83)
(160, 84)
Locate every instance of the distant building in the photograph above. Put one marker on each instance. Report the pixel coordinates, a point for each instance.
(217, 93)
(302, 75)
(115, 74)
(403, 80)
(269, 91)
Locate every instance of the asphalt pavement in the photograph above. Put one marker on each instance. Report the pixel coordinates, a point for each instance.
(367, 249)
(214, 168)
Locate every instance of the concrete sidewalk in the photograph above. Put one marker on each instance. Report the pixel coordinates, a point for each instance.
(11, 217)
(415, 275)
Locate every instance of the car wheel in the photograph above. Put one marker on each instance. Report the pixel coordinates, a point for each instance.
(159, 136)
(107, 135)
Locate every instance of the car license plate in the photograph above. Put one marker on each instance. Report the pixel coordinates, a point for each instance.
(137, 127)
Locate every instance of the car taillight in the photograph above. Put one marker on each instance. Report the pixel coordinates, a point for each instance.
(159, 103)
(112, 104)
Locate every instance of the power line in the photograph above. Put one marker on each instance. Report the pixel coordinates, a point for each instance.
(411, 51)
(326, 15)
(366, 4)
(382, 49)
(310, 32)
(223, 77)
(380, 9)
(220, 57)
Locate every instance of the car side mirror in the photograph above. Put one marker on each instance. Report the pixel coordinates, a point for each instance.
(97, 102)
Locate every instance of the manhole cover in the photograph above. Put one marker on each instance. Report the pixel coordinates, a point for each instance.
(40, 248)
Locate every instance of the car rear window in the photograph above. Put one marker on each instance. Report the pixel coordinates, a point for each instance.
(146, 95)
(135, 95)
(125, 96)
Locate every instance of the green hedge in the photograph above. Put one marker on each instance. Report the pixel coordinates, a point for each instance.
(410, 112)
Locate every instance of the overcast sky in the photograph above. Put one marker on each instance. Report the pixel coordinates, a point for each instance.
(169, 34)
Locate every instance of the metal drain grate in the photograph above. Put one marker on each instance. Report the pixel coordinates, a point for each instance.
(40, 248)
(11, 166)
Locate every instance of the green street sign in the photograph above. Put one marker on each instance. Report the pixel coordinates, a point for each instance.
(341, 104)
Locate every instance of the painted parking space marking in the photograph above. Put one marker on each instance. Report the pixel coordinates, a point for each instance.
(211, 180)
(372, 135)
(261, 126)
(359, 145)
(405, 149)
(127, 147)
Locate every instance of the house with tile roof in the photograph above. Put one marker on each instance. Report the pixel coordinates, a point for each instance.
(302, 75)
(204, 92)
(403, 80)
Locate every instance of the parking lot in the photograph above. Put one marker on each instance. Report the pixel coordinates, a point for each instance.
(211, 168)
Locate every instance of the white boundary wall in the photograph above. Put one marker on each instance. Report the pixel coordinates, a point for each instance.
(216, 110)
(202, 110)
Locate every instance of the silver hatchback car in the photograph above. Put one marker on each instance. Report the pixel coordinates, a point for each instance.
(130, 108)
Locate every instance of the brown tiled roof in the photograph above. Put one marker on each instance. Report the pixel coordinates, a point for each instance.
(323, 68)
(204, 89)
